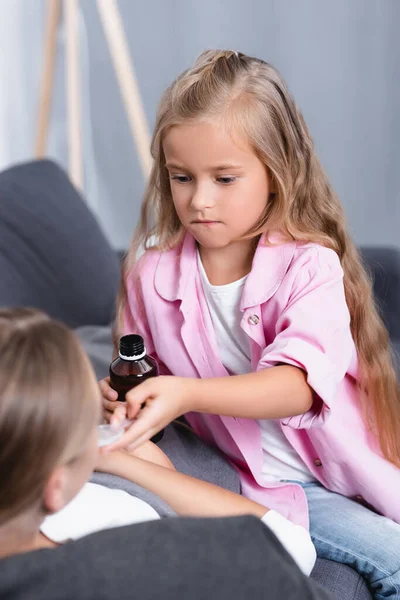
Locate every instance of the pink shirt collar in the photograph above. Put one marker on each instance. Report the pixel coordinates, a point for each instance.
(178, 267)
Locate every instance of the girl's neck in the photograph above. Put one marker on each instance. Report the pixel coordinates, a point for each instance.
(14, 539)
(225, 265)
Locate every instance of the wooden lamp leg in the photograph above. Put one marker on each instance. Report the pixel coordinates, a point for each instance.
(73, 96)
(47, 83)
(118, 47)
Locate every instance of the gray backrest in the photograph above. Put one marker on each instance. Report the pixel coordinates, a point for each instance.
(384, 266)
(53, 254)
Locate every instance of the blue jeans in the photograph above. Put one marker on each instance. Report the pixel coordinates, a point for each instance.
(347, 532)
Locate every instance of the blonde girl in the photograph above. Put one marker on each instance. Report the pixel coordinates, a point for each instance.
(252, 296)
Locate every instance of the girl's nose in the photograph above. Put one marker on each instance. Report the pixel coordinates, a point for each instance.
(202, 198)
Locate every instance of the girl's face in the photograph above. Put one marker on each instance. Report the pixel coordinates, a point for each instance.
(220, 188)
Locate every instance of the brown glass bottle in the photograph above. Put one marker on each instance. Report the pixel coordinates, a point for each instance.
(131, 368)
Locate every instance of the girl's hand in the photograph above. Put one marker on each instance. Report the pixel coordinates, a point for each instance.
(109, 399)
(165, 398)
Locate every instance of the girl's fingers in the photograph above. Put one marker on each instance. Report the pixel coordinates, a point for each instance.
(112, 406)
(119, 414)
(132, 411)
(139, 432)
(137, 397)
(147, 422)
(126, 441)
(133, 406)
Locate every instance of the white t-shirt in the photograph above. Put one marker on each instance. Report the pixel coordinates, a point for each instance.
(223, 303)
(294, 538)
(280, 460)
(97, 507)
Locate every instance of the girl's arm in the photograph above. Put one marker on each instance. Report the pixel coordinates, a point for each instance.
(184, 494)
(273, 393)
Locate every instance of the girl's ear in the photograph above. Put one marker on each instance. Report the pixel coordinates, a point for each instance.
(55, 492)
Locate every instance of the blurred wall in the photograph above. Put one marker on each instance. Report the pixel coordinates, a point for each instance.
(341, 60)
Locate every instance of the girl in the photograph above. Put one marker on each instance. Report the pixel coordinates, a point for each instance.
(49, 411)
(254, 276)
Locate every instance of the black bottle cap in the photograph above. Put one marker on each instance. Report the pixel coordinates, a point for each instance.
(131, 345)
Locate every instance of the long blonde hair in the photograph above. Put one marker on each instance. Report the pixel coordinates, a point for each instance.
(249, 94)
(47, 406)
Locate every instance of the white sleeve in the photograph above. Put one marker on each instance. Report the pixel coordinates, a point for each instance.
(96, 508)
(295, 539)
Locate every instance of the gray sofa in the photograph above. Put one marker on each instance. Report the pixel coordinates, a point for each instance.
(54, 256)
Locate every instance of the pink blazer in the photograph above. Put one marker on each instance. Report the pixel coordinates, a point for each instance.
(294, 311)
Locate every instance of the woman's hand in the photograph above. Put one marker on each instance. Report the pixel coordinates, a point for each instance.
(109, 399)
(111, 462)
(108, 463)
(152, 453)
(165, 398)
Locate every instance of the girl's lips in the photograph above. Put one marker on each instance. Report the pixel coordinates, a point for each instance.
(206, 222)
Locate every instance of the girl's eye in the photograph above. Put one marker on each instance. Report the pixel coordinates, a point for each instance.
(226, 180)
(180, 178)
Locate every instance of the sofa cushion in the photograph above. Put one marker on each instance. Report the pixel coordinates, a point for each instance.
(384, 266)
(342, 581)
(53, 254)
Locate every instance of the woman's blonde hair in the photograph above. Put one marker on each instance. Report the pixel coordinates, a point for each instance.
(250, 97)
(47, 405)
